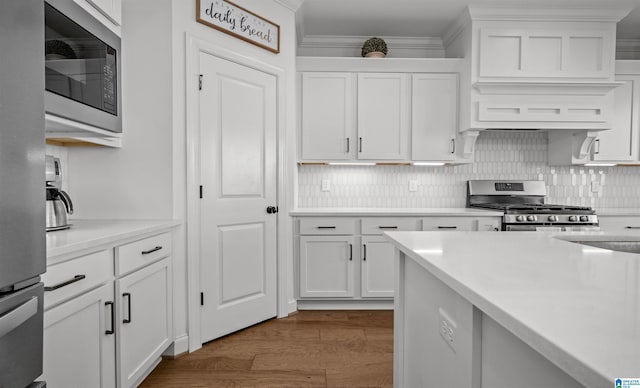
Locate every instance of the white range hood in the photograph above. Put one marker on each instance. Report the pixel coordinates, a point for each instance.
(537, 68)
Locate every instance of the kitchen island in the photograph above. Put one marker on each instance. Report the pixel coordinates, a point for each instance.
(517, 309)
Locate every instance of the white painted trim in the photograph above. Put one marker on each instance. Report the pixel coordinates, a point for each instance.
(526, 12)
(194, 47)
(179, 346)
(628, 46)
(628, 67)
(293, 5)
(393, 65)
(361, 304)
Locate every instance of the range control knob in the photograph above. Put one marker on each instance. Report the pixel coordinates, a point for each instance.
(553, 218)
(532, 218)
(584, 218)
(520, 218)
(573, 218)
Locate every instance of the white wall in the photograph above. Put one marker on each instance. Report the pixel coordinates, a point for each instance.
(147, 177)
(499, 155)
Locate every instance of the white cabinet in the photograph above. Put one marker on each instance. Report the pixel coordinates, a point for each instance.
(618, 223)
(621, 142)
(326, 266)
(144, 319)
(383, 120)
(326, 257)
(434, 116)
(377, 268)
(108, 314)
(328, 116)
(108, 12)
(464, 224)
(79, 341)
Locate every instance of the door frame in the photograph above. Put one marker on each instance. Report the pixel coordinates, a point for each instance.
(195, 46)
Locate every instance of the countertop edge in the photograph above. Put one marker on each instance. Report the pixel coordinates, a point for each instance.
(388, 212)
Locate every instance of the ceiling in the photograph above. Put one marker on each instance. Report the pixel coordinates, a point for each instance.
(423, 18)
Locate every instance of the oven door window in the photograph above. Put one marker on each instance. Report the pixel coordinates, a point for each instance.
(78, 65)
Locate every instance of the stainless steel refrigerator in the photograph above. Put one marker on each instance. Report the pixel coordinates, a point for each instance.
(22, 194)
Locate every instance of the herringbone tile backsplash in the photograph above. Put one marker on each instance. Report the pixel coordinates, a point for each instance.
(517, 155)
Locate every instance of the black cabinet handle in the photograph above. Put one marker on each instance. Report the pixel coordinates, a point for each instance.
(128, 296)
(387, 227)
(326, 227)
(113, 318)
(348, 147)
(447, 227)
(350, 252)
(151, 250)
(76, 278)
(632, 227)
(364, 255)
(359, 144)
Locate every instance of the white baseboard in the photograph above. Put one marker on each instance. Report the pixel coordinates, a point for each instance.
(292, 306)
(345, 305)
(179, 346)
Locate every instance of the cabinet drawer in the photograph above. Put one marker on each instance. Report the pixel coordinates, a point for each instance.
(376, 226)
(143, 252)
(70, 278)
(444, 224)
(608, 223)
(327, 226)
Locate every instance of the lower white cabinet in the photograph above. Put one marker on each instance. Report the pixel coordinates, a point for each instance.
(377, 269)
(144, 320)
(79, 341)
(613, 223)
(108, 315)
(461, 224)
(326, 266)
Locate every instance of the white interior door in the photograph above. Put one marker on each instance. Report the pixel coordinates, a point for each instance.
(238, 173)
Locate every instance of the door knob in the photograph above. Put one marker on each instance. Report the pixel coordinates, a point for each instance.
(272, 209)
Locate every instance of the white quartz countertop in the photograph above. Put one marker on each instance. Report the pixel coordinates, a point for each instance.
(88, 234)
(633, 212)
(357, 212)
(577, 305)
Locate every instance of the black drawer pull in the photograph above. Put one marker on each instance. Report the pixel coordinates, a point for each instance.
(447, 227)
(632, 227)
(151, 250)
(76, 278)
(128, 296)
(113, 319)
(326, 227)
(387, 227)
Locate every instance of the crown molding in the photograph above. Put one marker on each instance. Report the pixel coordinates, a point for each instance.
(293, 5)
(458, 26)
(343, 41)
(525, 12)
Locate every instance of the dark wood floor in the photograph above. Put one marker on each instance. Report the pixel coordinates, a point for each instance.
(307, 349)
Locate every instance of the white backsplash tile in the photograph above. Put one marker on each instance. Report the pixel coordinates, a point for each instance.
(514, 155)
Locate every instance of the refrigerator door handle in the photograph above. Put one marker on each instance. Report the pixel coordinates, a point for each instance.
(18, 316)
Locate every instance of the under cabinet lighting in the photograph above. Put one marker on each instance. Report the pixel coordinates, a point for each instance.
(428, 163)
(600, 164)
(350, 164)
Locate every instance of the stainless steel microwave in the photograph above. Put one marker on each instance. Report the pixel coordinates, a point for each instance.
(82, 67)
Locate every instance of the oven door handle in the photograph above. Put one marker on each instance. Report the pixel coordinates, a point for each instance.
(18, 316)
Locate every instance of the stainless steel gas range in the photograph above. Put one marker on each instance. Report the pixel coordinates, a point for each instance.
(524, 209)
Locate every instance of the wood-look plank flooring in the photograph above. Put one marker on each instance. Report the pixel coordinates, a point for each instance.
(307, 349)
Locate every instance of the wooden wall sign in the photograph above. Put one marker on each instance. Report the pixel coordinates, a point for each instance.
(234, 20)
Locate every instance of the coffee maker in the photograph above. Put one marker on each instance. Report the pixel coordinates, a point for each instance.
(58, 204)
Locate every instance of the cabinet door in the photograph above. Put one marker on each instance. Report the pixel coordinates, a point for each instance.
(144, 316)
(377, 267)
(79, 341)
(326, 266)
(328, 116)
(620, 143)
(112, 9)
(383, 116)
(434, 116)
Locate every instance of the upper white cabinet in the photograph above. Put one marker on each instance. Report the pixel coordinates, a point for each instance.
(434, 116)
(383, 120)
(379, 111)
(328, 116)
(621, 142)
